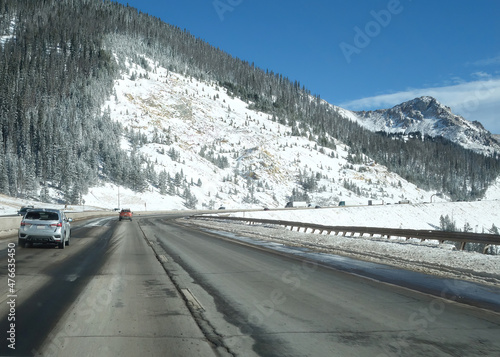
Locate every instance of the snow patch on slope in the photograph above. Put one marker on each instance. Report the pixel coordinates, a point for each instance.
(265, 162)
(9, 33)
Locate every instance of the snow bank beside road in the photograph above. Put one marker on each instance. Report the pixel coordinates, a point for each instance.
(480, 215)
(426, 257)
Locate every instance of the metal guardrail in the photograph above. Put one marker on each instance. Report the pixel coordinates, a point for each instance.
(459, 237)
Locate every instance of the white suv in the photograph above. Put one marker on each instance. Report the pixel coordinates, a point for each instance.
(45, 226)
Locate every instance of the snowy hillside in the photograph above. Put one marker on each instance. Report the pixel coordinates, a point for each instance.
(114, 128)
(425, 115)
(216, 152)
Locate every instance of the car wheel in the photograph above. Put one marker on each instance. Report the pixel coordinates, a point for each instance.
(21, 243)
(61, 245)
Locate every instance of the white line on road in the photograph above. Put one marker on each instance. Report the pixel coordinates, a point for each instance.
(192, 299)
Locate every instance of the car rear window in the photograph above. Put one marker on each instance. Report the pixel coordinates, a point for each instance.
(43, 216)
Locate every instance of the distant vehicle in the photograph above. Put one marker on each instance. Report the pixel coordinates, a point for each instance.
(266, 209)
(46, 226)
(375, 202)
(296, 204)
(342, 203)
(222, 207)
(125, 214)
(23, 210)
(404, 202)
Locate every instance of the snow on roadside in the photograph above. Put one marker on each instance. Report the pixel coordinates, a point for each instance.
(427, 257)
(479, 215)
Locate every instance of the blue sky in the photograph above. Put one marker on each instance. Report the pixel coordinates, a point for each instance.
(360, 55)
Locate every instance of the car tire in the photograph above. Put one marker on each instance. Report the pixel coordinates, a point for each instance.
(21, 243)
(62, 245)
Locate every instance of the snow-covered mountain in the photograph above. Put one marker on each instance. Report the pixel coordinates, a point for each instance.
(425, 115)
(217, 152)
(197, 128)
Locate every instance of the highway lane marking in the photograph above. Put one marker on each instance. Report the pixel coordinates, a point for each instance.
(163, 258)
(101, 222)
(191, 299)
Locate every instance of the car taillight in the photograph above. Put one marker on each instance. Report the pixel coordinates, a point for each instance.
(23, 224)
(56, 224)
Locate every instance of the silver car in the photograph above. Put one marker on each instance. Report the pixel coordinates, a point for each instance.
(46, 226)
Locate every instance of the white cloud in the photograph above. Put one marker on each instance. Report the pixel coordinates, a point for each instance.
(488, 61)
(477, 100)
(481, 75)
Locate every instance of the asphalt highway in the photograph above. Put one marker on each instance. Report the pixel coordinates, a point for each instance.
(157, 287)
(105, 294)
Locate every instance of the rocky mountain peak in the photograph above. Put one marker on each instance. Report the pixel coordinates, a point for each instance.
(428, 106)
(428, 117)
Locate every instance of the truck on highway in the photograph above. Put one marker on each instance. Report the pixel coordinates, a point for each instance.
(296, 204)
